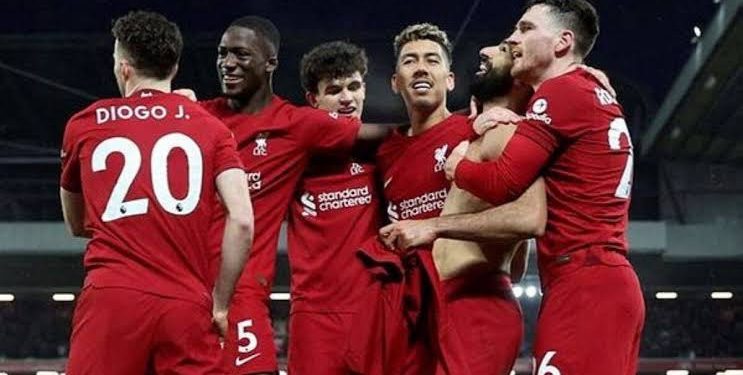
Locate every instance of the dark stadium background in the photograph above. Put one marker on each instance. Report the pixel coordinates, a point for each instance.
(681, 89)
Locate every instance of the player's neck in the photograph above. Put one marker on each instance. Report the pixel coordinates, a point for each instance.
(135, 85)
(557, 68)
(501, 101)
(255, 103)
(423, 119)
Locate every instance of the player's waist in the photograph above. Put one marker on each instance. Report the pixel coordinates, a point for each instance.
(493, 283)
(325, 304)
(554, 266)
(192, 290)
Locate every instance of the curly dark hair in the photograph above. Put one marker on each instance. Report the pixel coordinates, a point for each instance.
(423, 31)
(579, 16)
(331, 60)
(153, 43)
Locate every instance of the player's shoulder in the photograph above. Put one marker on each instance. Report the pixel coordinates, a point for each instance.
(87, 116)
(215, 106)
(301, 113)
(392, 142)
(193, 108)
(454, 128)
(458, 118)
(575, 88)
(459, 122)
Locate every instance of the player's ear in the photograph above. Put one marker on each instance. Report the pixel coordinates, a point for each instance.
(565, 40)
(271, 64)
(311, 99)
(450, 81)
(126, 69)
(393, 83)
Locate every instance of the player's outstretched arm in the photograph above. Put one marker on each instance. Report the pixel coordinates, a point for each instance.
(237, 240)
(73, 210)
(503, 180)
(524, 218)
(373, 132)
(521, 219)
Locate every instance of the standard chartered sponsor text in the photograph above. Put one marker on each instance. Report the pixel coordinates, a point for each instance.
(421, 204)
(350, 197)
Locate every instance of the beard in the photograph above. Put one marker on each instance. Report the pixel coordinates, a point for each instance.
(496, 82)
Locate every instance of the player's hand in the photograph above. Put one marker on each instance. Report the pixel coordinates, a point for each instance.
(601, 77)
(494, 117)
(456, 156)
(187, 93)
(219, 319)
(406, 234)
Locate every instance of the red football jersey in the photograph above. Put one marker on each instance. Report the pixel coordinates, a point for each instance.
(335, 209)
(275, 146)
(146, 166)
(412, 168)
(575, 135)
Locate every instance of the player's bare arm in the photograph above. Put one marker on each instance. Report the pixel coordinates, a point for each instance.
(237, 240)
(521, 219)
(373, 132)
(73, 210)
(520, 261)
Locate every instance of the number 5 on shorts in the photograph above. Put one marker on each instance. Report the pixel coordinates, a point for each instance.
(244, 333)
(545, 368)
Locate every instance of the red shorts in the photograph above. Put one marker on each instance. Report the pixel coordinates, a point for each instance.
(590, 322)
(487, 319)
(126, 331)
(318, 343)
(249, 346)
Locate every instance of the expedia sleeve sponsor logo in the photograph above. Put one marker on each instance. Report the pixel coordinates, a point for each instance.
(422, 204)
(335, 200)
(539, 111)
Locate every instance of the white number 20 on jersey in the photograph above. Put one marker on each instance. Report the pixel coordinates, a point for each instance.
(616, 129)
(117, 208)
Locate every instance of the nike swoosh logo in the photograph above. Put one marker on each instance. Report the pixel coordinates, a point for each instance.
(241, 361)
(387, 182)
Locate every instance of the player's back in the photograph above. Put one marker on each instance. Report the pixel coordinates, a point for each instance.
(590, 178)
(147, 168)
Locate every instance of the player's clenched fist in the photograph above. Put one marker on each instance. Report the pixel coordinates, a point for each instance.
(406, 234)
(219, 318)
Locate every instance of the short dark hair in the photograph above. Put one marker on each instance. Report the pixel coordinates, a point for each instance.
(579, 16)
(423, 31)
(263, 27)
(153, 43)
(331, 60)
